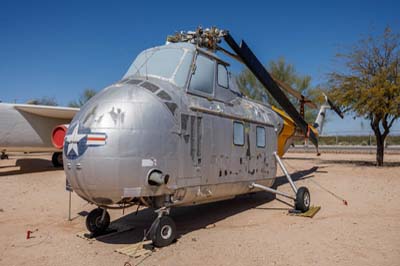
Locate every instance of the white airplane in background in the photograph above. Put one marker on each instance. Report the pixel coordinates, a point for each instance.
(34, 128)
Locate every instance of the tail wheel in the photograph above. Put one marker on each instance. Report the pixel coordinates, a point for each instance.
(57, 159)
(96, 223)
(165, 232)
(303, 199)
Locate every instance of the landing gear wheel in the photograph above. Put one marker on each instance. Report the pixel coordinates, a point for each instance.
(57, 159)
(303, 199)
(94, 222)
(4, 156)
(164, 233)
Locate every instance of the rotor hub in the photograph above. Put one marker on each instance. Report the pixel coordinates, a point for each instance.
(206, 38)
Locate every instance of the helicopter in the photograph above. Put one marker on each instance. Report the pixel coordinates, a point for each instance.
(176, 131)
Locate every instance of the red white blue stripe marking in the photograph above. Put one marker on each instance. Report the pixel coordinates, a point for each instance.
(96, 139)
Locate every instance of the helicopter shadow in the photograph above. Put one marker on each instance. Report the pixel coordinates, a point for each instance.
(296, 158)
(187, 219)
(362, 163)
(204, 216)
(302, 174)
(28, 165)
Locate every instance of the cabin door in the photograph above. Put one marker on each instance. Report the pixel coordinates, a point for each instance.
(190, 155)
(260, 147)
(260, 155)
(251, 151)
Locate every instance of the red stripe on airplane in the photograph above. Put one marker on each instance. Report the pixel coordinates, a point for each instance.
(92, 138)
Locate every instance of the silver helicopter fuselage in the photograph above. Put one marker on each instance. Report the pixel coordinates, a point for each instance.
(174, 131)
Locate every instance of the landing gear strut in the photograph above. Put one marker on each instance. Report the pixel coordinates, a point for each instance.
(163, 230)
(98, 221)
(57, 159)
(301, 201)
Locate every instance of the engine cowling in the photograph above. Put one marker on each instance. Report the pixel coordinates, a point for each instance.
(58, 135)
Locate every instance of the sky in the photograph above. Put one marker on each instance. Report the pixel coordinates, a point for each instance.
(59, 48)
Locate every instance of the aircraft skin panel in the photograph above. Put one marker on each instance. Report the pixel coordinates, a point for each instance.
(26, 131)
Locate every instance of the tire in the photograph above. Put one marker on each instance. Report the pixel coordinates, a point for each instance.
(94, 223)
(4, 156)
(57, 159)
(303, 199)
(165, 232)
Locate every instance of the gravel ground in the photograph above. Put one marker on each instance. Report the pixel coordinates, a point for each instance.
(249, 230)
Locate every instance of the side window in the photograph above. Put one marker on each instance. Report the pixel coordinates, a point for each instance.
(222, 76)
(203, 76)
(260, 132)
(238, 133)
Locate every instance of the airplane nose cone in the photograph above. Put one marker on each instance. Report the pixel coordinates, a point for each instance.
(109, 139)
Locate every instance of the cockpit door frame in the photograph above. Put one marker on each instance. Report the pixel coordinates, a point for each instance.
(193, 68)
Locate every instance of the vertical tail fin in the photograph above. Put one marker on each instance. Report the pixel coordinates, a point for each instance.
(319, 121)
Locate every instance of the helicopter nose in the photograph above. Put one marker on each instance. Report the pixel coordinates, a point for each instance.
(110, 138)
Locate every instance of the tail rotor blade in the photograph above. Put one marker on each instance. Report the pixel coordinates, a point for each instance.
(335, 108)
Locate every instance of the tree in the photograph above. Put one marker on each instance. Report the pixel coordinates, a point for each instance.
(370, 85)
(43, 101)
(85, 96)
(250, 86)
(286, 73)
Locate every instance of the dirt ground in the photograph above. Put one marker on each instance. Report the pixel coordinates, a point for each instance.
(248, 230)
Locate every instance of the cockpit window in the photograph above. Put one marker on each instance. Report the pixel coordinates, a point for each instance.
(203, 75)
(222, 76)
(171, 64)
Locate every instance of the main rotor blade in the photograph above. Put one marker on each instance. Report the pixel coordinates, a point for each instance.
(255, 66)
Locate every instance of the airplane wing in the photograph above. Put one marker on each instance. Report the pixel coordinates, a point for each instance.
(26, 127)
(48, 111)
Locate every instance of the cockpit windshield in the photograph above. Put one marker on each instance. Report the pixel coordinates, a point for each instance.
(171, 63)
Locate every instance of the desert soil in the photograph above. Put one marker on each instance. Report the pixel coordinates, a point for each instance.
(249, 230)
